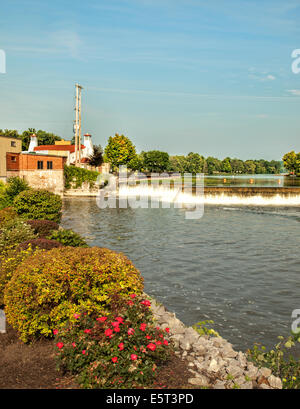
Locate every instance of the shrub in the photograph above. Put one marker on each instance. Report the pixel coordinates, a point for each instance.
(8, 264)
(42, 228)
(14, 186)
(13, 233)
(38, 204)
(282, 363)
(68, 238)
(40, 243)
(120, 350)
(6, 215)
(75, 177)
(49, 287)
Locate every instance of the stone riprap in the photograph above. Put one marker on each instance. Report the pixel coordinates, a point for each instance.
(212, 361)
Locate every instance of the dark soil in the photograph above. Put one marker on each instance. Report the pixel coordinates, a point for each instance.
(32, 366)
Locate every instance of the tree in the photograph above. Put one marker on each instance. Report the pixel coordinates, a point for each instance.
(194, 163)
(237, 165)
(226, 166)
(291, 161)
(213, 165)
(43, 137)
(249, 167)
(156, 161)
(119, 151)
(96, 159)
(178, 164)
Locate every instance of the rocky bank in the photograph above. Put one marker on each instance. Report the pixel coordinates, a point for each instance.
(212, 361)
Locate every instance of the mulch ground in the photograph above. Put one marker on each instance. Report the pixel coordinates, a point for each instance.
(33, 366)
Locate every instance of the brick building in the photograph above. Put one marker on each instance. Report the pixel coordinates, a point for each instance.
(41, 171)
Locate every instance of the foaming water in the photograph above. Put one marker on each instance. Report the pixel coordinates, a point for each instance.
(179, 198)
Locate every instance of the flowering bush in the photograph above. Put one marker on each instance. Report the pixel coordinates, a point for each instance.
(119, 350)
(49, 287)
(13, 233)
(42, 244)
(7, 214)
(8, 264)
(42, 228)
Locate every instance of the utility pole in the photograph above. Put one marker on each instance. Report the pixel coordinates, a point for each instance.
(78, 89)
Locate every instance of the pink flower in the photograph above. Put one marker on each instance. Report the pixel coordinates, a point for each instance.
(133, 357)
(114, 359)
(101, 319)
(73, 344)
(147, 303)
(55, 331)
(59, 345)
(143, 327)
(76, 316)
(130, 331)
(121, 346)
(87, 331)
(132, 295)
(83, 351)
(151, 346)
(108, 332)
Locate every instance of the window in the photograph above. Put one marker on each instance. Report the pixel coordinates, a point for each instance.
(40, 164)
(49, 164)
(13, 144)
(13, 159)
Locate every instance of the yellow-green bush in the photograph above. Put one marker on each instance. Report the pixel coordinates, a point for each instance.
(7, 214)
(8, 265)
(49, 287)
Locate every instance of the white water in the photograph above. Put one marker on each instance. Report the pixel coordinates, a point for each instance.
(179, 198)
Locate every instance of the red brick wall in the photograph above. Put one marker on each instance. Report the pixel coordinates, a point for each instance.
(10, 163)
(30, 162)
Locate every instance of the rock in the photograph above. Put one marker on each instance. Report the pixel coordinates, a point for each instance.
(252, 373)
(266, 372)
(185, 345)
(200, 349)
(234, 370)
(213, 366)
(228, 352)
(219, 385)
(275, 382)
(247, 385)
(199, 380)
(264, 386)
(242, 359)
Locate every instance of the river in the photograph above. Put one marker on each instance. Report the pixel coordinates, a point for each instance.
(238, 265)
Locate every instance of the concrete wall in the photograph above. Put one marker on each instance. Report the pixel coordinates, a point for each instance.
(52, 180)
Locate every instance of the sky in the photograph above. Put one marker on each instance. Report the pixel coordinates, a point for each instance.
(213, 77)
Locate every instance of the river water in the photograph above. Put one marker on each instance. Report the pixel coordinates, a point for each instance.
(237, 265)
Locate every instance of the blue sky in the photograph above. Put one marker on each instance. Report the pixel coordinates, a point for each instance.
(212, 77)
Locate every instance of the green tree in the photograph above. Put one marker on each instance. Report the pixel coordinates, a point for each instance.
(119, 151)
(250, 167)
(43, 137)
(291, 161)
(194, 163)
(156, 161)
(237, 165)
(226, 165)
(178, 164)
(213, 165)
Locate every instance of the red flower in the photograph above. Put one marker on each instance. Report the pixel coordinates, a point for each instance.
(158, 343)
(132, 295)
(87, 331)
(143, 327)
(108, 332)
(148, 336)
(73, 344)
(167, 330)
(130, 302)
(133, 357)
(76, 316)
(120, 320)
(117, 329)
(147, 303)
(166, 342)
(83, 351)
(115, 323)
(151, 346)
(121, 346)
(130, 331)
(114, 359)
(101, 319)
(59, 345)
(55, 331)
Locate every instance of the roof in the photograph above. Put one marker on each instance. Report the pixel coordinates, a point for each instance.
(70, 148)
